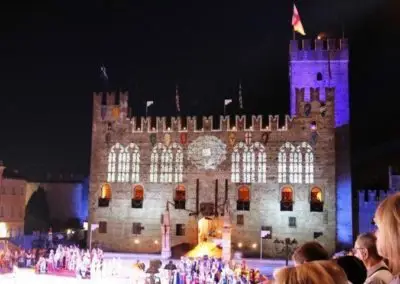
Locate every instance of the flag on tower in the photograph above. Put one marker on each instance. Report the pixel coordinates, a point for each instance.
(240, 96)
(227, 101)
(178, 105)
(296, 22)
(149, 103)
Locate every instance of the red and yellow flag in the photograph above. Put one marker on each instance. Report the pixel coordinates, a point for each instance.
(296, 22)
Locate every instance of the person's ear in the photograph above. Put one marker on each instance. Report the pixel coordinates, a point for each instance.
(364, 254)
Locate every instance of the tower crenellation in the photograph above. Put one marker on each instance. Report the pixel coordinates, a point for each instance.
(330, 49)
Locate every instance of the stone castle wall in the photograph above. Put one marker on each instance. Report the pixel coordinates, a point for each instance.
(111, 126)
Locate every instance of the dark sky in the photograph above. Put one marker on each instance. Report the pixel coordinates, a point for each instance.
(50, 54)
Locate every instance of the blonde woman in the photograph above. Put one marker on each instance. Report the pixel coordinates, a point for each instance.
(315, 272)
(387, 219)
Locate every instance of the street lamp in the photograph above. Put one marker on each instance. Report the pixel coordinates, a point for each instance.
(288, 243)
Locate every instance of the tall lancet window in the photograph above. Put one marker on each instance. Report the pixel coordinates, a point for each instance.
(178, 171)
(134, 159)
(249, 163)
(117, 168)
(261, 161)
(286, 163)
(235, 167)
(166, 163)
(306, 151)
(154, 163)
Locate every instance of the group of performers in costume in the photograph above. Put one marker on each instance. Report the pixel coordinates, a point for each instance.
(73, 259)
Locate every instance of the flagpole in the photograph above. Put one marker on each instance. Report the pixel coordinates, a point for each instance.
(147, 107)
(224, 109)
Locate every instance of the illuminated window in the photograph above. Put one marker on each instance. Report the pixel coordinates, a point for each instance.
(106, 191)
(287, 195)
(243, 202)
(249, 164)
(285, 162)
(112, 162)
(137, 196)
(261, 162)
(296, 165)
(180, 197)
(316, 195)
(306, 150)
(134, 156)
(138, 192)
(166, 163)
(287, 199)
(316, 200)
(235, 165)
(123, 163)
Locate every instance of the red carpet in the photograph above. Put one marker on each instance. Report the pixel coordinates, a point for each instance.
(65, 273)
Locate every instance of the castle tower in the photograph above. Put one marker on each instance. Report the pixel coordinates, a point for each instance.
(325, 64)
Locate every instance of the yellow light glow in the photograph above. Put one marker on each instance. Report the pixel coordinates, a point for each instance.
(69, 231)
(240, 245)
(156, 242)
(137, 241)
(205, 248)
(254, 245)
(3, 230)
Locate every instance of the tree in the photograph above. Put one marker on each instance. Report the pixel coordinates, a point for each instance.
(37, 215)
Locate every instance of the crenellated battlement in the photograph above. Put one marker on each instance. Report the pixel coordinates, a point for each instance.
(308, 50)
(306, 108)
(373, 196)
(117, 111)
(207, 124)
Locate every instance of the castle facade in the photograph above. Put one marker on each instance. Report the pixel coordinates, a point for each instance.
(157, 182)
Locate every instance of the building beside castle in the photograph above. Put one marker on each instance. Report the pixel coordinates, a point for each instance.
(12, 203)
(159, 182)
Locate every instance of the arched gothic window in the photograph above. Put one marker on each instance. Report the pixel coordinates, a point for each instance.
(123, 163)
(296, 165)
(286, 163)
(166, 163)
(306, 150)
(249, 164)
(134, 156)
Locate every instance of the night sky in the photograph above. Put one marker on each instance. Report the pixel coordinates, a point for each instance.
(51, 53)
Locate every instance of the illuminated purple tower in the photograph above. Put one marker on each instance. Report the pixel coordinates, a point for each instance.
(325, 64)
